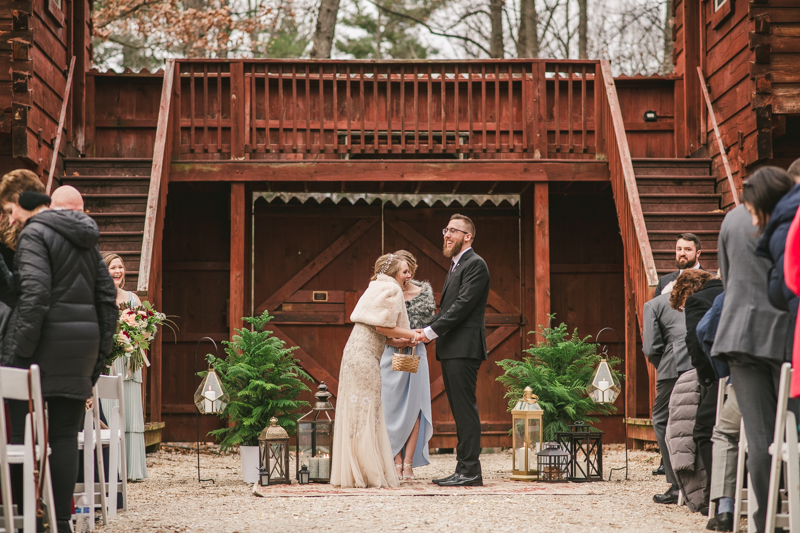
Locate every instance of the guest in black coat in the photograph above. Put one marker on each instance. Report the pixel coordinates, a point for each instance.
(63, 319)
(695, 292)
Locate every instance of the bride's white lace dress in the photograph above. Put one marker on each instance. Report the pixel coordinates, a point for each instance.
(362, 453)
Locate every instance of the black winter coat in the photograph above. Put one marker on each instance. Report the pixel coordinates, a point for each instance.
(696, 307)
(772, 245)
(64, 304)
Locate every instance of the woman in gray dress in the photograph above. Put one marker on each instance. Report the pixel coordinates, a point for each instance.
(406, 396)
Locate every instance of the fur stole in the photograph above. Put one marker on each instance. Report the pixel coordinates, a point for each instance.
(382, 304)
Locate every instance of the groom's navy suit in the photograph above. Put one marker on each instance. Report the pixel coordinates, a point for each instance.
(461, 348)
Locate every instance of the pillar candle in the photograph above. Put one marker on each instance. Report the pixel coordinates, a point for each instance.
(324, 467)
(208, 403)
(313, 467)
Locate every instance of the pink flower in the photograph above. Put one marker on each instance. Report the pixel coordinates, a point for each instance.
(129, 318)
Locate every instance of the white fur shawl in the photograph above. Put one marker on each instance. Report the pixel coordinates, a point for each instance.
(382, 304)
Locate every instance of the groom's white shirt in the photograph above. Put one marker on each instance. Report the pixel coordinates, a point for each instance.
(428, 330)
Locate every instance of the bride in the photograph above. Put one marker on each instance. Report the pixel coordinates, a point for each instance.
(362, 453)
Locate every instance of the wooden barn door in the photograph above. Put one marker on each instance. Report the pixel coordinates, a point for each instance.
(312, 262)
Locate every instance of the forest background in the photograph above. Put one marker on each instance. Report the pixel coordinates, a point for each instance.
(635, 35)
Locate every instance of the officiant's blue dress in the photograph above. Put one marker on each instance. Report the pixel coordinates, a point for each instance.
(406, 396)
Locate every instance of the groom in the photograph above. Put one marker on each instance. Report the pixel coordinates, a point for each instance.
(461, 347)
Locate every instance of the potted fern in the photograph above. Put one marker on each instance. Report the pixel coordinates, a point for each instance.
(263, 380)
(559, 369)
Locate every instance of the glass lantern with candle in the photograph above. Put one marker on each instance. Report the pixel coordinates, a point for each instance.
(527, 432)
(315, 437)
(211, 396)
(604, 387)
(273, 453)
(585, 447)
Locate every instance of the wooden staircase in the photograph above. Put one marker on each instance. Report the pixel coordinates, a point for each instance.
(677, 196)
(115, 196)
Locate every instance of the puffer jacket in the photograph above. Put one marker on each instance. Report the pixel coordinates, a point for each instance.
(64, 309)
(689, 471)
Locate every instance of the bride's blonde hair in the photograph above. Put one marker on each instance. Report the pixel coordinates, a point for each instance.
(388, 264)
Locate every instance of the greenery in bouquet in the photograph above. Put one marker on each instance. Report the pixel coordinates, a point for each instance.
(136, 329)
(559, 370)
(262, 379)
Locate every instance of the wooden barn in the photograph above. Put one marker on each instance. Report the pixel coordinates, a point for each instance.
(234, 186)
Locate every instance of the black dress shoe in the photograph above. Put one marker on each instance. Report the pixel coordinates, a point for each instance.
(721, 522)
(463, 481)
(659, 471)
(669, 497)
(448, 478)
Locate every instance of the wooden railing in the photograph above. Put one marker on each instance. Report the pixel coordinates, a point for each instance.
(720, 145)
(156, 196)
(641, 268)
(333, 109)
(61, 120)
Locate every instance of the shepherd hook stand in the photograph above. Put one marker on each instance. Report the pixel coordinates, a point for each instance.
(197, 414)
(625, 403)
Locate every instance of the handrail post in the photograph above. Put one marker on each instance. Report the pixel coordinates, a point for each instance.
(237, 110)
(62, 118)
(720, 144)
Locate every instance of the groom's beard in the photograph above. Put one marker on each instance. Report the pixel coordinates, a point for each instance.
(454, 252)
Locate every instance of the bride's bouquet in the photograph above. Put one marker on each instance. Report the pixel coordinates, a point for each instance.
(136, 328)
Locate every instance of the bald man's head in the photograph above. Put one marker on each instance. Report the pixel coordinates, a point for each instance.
(67, 197)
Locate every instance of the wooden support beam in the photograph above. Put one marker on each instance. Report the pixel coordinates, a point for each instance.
(389, 170)
(237, 110)
(238, 215)
(630, 348)
(691, 93)
(541, 243)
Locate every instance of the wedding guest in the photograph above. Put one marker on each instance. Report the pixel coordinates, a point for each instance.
(362, 453)
(407, 396)
(753, 335)
(132, 382)
(67, 197)
(791, 267)
(694, 294)
(63, 320)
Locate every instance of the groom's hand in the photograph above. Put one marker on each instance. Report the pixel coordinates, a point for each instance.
(421, 336)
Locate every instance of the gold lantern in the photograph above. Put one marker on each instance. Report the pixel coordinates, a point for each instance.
(211, 397)
(605, 386)
(526, 436)
(273, 453)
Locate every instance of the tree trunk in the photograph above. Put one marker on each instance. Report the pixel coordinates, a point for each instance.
(528, 38)
(583, 24)
(326, 25)
(496, 14)
(669, 42)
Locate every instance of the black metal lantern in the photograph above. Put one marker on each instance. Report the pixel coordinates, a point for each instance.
(303, 475)
(263, 477)
(585, 448)
(553, 462)
(315, 438)
(273, 453)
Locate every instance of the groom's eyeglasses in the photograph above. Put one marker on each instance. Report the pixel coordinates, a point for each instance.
(453, 231)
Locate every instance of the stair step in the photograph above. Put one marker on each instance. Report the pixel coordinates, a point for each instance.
(84, 166)
(113, 196)
(682, 222)
(680, 167)
(668, 183)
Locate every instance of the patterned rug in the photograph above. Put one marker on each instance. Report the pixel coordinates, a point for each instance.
(426, 488)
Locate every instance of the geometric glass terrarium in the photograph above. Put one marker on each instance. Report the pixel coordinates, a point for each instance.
(315, 438)
(526, 437)
(604, 387)
(211, 397)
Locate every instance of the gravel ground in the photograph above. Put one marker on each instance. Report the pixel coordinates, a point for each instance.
(171, 499)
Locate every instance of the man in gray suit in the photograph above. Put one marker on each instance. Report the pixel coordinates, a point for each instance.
(753, 337)
(664, 344)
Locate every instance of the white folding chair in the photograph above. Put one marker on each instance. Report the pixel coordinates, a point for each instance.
(743, 506)
(712, 506)
(15, 387)
(784, 451)
(11, 519)
(94, 437)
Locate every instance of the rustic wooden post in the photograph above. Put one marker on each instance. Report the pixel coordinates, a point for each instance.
(541, 242)
(630, 347)
(237, 111)
(238, 205)
(691, 83)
